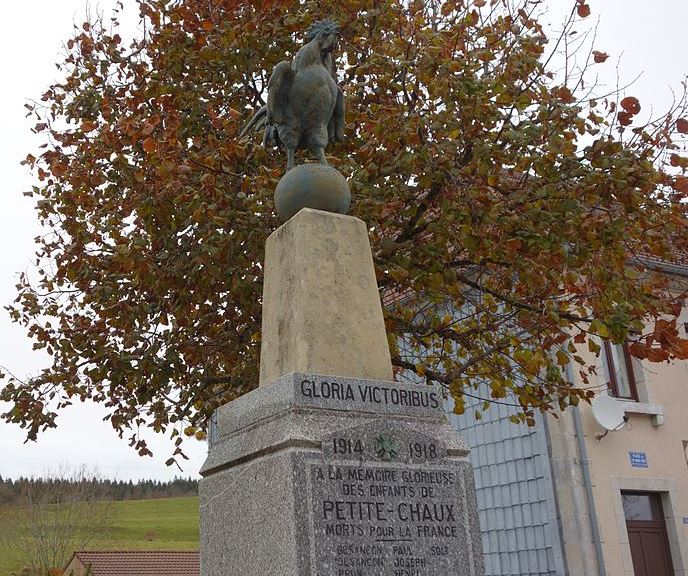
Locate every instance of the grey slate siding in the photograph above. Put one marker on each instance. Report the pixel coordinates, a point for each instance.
(516, 502)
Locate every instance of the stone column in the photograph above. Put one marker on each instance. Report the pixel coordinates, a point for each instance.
(321, 306)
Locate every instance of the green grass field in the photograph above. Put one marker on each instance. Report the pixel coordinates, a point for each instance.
(162, 524)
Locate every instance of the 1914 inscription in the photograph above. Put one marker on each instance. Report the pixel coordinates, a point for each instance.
(396, 511)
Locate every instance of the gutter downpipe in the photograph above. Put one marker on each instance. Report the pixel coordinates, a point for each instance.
(585, 467)
(562, 570)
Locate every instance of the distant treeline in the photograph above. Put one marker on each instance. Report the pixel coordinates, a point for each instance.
(16, 491)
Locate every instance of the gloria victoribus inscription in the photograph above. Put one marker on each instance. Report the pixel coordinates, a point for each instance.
(384, 503)
(370, 393)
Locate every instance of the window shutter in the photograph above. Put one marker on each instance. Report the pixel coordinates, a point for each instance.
(639, 375)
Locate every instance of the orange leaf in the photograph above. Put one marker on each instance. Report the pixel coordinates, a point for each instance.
(479, 3)
(638, 350)
(58, 169)
(675, 160)
(624, 118)
(565, 94)
(631, 105)
(682, 125)
(682, 347)
(680, 184)
(88, 126)
(513, 245)
(584, 10)
(149, 145)
(657, 355)
(599, 56)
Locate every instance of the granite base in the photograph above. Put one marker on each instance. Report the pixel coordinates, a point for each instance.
(329, 476)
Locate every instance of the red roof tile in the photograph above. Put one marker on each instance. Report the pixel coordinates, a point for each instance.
(141, 563)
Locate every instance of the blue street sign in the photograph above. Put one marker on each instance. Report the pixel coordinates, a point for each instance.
(638, 459)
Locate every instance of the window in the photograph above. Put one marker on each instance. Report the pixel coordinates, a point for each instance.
(622, 382)
(641, 507)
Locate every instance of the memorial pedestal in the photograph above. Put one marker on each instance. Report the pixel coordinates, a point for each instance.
(346, 474)
(329, 476)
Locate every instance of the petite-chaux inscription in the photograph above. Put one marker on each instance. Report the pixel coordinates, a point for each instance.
(370, 393)
(385, 520)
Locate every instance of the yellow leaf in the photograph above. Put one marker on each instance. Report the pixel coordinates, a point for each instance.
(594, 347)
(562, 358)
(599, 328)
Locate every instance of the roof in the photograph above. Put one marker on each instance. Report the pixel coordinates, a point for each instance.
(140, 563)
(677, 265)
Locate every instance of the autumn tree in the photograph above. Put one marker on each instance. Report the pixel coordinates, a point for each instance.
(511, 208)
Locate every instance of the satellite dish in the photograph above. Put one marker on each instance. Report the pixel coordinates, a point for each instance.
(608, 412)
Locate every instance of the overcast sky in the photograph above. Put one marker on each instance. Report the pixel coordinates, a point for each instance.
(649, 37)
(33, 32)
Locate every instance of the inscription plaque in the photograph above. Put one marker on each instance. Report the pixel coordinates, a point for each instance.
(385, 503)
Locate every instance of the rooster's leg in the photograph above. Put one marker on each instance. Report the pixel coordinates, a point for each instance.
(320, 154)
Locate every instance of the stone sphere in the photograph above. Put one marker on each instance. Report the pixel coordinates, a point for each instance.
(315, 186)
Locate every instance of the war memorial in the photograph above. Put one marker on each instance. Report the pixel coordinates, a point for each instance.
(329, 467)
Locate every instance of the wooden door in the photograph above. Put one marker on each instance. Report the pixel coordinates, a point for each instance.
(647, 534)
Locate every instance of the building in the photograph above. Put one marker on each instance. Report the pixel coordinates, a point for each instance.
(133, 563)
(568, 497)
